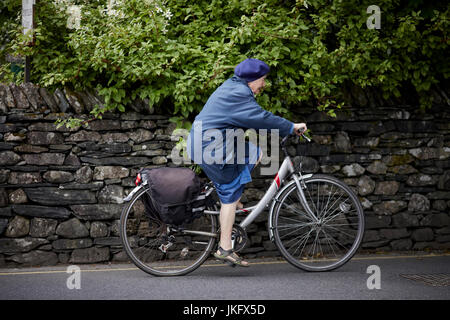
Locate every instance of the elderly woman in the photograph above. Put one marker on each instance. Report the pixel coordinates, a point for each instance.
(233, 106)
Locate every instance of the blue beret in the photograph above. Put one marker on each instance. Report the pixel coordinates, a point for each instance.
(251, 69)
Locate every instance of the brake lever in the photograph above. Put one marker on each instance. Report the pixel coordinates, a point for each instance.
(303, 135)
(307, 139)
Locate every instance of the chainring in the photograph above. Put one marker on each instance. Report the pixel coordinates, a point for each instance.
(238, 238)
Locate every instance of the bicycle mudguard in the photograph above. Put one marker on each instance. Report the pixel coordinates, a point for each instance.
(275, 200)
(132, 193)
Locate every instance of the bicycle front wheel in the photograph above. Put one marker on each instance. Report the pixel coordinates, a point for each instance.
(328, 242)
(162, 250)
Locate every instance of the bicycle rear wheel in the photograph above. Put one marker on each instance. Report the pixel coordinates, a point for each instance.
(325, 244)
(162, 250)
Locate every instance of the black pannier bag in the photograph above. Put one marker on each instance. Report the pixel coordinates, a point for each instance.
(174, 196)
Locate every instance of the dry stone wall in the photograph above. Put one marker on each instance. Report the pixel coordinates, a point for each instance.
(61, 189)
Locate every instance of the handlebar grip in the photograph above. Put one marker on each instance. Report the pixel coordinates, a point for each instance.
(299, 131)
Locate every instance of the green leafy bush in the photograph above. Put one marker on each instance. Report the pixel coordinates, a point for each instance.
(173, 54)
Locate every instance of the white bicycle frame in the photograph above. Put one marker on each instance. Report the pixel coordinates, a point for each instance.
(270, 197)
(272, 194)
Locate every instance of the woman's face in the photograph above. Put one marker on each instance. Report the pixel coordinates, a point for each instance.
(257, 85)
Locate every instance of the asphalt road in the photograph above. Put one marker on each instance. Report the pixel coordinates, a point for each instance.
(264, 280)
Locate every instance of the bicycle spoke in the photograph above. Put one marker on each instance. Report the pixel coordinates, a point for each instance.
(288, 234)
(292, 219)
(343, 246)
(302, 213)
(309, 194)
(332, 216)
(301, 241)
(328, 201)
(331, 246)
(325, 214)
(339, 230)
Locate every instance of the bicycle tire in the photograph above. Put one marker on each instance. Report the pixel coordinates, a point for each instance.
(134, 225)
(291, 224)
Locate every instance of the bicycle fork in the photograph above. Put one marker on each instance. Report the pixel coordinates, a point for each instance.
(301, 195)
(298, 180)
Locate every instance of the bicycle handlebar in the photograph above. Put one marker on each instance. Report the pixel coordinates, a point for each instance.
(303, 135)
(283, 141)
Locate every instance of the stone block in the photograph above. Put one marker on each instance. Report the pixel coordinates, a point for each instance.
(371, 235)
(84, 135)
(353, 170)
(420, 235)
(420, 179)
(41, 211)
(393, 234)
(104, 125)
(396, 160)
(72, 229)
(97, 211)
(387, 188)
(20, 245)
(418, 202)
(19, 97)
(55, 196)
(90, 255)
(18, 196)
(342, 143)
(3, 225)
(389, 207)
(43, 159)
(415, 126)
(42, 228)
(66, 244)
(402, 169)
(402, 244)
(405, 220)
(110, 172)
(18, 227)
(8, 158)
(114, 137)
(84, 175)
(44, 138)
(117, 161)
(111, 194)
(61, 101)
(377, 167)
(24, 178)
(98, 229)
(58, 176)
(35, 258)
(436, 220)
(108, 241)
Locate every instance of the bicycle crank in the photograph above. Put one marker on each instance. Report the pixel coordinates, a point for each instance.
(238, 238)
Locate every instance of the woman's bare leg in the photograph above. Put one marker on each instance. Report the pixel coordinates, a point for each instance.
(226, 218)
(227, 215)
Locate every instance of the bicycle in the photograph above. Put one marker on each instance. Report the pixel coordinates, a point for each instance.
(315, 220)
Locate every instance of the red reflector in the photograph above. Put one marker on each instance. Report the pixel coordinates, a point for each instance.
(138, 180)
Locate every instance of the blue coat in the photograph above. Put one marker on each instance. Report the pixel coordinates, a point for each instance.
(231, 106)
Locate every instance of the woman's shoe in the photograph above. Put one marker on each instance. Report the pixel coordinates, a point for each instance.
(230, 257)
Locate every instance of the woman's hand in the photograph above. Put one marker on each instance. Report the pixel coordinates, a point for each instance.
(299, 128)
